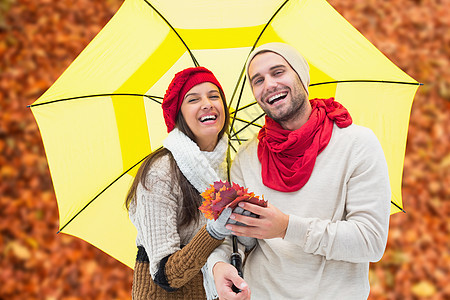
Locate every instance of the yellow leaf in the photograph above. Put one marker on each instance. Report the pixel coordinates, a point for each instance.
(18, 250)
(424, 289)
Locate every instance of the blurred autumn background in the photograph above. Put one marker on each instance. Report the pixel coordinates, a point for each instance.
(40, 38)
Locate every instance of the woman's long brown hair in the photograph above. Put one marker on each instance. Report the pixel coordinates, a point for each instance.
(191, 197)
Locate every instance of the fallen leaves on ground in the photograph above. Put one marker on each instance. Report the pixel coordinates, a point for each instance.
(38, 41)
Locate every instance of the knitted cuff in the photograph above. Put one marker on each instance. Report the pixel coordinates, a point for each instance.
(160, 276)
(215, 234)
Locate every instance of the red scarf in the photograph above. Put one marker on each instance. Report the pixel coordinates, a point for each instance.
(288, 157)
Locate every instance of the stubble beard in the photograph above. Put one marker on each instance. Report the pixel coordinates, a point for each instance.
(294, 111)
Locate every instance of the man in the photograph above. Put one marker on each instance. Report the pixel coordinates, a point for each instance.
(327, 184)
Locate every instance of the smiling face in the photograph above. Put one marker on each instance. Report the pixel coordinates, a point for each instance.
(203, 111)
(278, 90)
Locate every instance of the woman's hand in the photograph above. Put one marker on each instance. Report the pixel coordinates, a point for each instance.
(217, 228)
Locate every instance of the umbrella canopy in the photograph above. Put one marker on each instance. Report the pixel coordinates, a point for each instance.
(102, 117)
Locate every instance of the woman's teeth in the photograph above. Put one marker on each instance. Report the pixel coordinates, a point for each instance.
(208, 118)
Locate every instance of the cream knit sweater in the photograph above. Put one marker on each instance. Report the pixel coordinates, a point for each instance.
(338, 222)
(155, 215)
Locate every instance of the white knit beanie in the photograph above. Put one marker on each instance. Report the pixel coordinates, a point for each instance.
(290, 54)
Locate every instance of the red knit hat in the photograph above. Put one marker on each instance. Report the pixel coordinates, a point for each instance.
(180, 85)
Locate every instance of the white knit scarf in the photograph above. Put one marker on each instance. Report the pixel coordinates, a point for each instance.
(201, 169)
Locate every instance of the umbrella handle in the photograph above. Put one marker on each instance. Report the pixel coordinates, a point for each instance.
(236, 261)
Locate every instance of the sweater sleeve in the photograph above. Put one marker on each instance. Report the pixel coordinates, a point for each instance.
(156, 220)
(362, 235)
(184, 264)
(154, 215)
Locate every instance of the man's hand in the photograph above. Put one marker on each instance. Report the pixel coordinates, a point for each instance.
(225, 275)
(272, 223)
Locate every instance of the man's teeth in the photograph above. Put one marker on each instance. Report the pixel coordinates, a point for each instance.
(207, 118)
(276, 97)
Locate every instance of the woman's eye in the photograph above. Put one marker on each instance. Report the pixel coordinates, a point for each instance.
(214, 97)
(192, 100)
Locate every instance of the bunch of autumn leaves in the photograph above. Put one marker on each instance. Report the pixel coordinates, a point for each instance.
(222, 195)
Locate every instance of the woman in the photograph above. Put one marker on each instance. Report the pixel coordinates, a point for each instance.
(173, 239)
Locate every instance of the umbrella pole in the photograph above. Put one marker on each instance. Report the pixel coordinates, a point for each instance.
(236, 261)
(235, 258)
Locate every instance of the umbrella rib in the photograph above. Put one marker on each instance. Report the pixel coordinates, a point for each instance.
(254, 45)
(243, 107)
(98, 95)
(239, 140)
(363, 80)
(398, 206)
(236, 87)
(171, 27)
(267, 24)
(243, 68)
(234, 149)
(239, 101)
(98, 195)
(249, 123)
(234, 139)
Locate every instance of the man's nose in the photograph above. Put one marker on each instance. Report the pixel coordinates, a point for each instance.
(270, 83)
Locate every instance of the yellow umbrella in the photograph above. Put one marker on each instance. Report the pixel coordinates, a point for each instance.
(102, 117)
